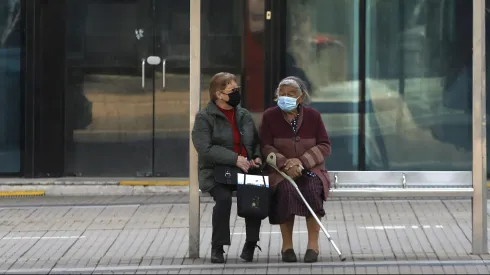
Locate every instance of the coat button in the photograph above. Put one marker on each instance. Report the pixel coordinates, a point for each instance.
(297, 139)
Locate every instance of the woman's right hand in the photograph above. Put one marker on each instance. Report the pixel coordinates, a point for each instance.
(243, 164)
(294, 172)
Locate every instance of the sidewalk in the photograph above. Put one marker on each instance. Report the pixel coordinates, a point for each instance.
(150, 234)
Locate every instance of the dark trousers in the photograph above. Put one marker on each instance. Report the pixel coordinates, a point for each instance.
(222, 195)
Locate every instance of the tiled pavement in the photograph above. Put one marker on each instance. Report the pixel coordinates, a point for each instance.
(150, 235)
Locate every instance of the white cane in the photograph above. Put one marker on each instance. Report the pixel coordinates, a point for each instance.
(272, 162)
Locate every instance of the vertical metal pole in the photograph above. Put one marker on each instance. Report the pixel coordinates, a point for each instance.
(479, 202)
(195, 103)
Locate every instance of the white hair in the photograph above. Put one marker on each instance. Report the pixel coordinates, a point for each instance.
(298, 84)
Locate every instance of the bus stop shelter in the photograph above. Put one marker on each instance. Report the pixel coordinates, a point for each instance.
(474, 186)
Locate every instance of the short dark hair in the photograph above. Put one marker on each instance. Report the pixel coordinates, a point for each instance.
(219, 82)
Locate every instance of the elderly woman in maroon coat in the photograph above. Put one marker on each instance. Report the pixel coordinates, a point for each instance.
(297, 135)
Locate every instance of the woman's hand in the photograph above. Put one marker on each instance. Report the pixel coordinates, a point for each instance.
(290, 163)
(293, 168)
(256, 163)
(294, 172)
(243, 164)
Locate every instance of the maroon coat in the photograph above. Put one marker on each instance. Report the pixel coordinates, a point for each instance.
(310, 144)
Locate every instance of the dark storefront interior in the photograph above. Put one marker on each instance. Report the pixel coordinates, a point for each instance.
(79, 97)
(10, 87)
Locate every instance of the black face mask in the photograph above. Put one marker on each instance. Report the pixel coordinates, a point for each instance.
(234, 98)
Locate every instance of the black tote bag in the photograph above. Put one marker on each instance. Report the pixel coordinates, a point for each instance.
(253, 201)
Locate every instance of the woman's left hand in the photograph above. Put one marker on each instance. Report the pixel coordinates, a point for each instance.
(290, 163)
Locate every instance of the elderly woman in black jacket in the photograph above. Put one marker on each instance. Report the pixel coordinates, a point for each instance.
(224, 135)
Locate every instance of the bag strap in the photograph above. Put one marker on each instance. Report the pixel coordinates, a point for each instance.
(241, 141)
(240, 132)
(263, 179)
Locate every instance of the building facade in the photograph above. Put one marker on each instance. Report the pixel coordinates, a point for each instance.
(100, 88)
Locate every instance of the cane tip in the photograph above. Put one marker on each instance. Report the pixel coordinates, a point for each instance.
(342, 258)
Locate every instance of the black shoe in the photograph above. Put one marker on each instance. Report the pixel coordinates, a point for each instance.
(217, 255)
(311, 256)
(289, 256)
(248, 251)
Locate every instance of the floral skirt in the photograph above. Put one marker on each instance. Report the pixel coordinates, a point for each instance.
(286, 201)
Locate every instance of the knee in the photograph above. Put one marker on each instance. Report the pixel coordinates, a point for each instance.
(224, 202)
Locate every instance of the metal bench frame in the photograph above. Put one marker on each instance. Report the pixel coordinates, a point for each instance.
(376, 184)
(380, 184)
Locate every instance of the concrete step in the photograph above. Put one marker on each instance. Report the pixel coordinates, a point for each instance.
(89, 187)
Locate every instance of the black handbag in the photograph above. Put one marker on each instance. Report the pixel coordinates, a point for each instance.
(253, 201)
(226, 174)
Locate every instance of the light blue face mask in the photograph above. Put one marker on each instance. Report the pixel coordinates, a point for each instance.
(287, 104)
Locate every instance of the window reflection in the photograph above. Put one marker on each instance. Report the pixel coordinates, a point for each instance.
(10, 85)
(418, 85)
(322, 49)
(254, 56)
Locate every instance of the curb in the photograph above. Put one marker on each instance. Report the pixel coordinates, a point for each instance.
(92, 187)
(94, 190)
(22, 193)
(89, 187)
(154, 183)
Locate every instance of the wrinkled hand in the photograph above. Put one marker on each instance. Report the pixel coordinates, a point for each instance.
(290, 163)
(243, 164)
(294, 172)
(256, 163)
(293, 168)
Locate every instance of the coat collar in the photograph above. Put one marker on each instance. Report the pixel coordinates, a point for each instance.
(212, 109)
(300, 117)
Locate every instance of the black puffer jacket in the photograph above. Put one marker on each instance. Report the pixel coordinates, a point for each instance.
(212, 137)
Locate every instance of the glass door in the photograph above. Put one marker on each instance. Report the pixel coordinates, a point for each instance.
(221, 50)
(121, 110)
(171, 102)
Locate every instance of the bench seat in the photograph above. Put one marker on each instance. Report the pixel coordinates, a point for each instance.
(384, 184)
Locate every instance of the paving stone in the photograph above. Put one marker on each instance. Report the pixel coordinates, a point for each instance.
(105, 234)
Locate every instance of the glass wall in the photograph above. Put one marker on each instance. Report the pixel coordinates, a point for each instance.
(125, 114)
(108, 110)
(10, 86)
(323, 49)
(418, 85)
(254, 56)
(411, 109)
